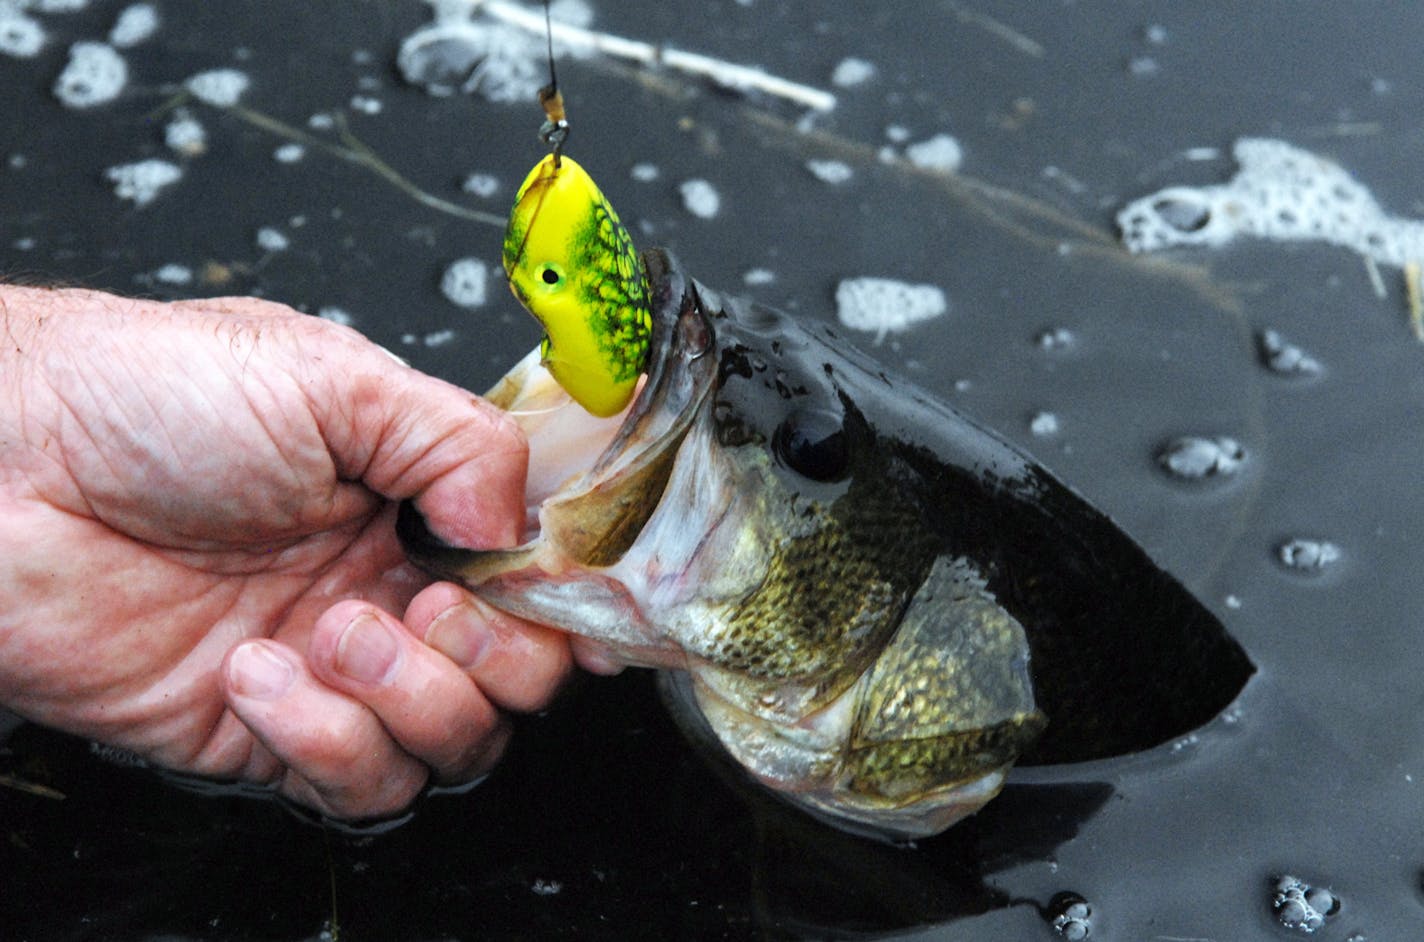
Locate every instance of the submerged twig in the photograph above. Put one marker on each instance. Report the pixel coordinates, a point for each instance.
(1416, 301)
(354, 150)
(740, 78)
(996, 28)
(1030, 220)
(30, 788)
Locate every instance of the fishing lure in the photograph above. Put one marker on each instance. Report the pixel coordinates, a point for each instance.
(572, 264)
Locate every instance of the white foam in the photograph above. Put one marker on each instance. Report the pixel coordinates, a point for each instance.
(141, 181)
(759, 276)
(1280, 192)
(885, 306)
(501, 62)
(289, 153)
(336, 315)
(219, 87)
(174, 274)
(464, 282)
(185, 135)
(135, 24)
(700, 198)
(644, 172)
(852, 71)
(270, 239)
(20, 36)
(483, 185)
(830, 171)
(95, 75)
(941, 152)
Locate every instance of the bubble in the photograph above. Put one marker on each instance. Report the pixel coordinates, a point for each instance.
(173, 274)
(852, 71)
(759, 276)
(700, 198)
(1194, 457)
(185, 135)
(883, 305)
(1043, 424)
(218, 87)
(546, 887)
(94, 75)
(1308, 554)
(483, 185)
(1301, 906)
(20, 36)
(1054, 338)
(644, 172)
(1281, 356)
(830, 171)
(289, 153)
(1280, 192)
(366, 104)
(1071, 916)
(270, 239)
(336, 315)
(941, 152)
(464, 282)
(140, 182)
(135, 24)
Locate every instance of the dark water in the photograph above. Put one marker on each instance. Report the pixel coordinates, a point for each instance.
(602, 824)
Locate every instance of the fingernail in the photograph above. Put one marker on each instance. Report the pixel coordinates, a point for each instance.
(366, 650)
(460, 634)
(260, 673)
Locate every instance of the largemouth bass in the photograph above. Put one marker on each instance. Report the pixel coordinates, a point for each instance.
(872, 603)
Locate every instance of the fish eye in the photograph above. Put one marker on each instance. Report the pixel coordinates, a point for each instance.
(551, 274)
(812, 443)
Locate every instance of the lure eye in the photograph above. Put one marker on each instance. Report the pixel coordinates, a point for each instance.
(551, 274)
(812, 443)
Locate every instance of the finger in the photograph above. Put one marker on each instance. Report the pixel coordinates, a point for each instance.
(427, 704)
(595, 657)
(339, 758)
(517, 664)
(404, 434)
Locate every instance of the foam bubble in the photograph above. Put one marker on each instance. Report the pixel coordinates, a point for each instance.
(20, 36)
(270, 239)
(941, 152)
(501, 62)
(336, 315)
(218, 87)
(1195, 457)
(1043, 424)
(464, 282)
(852, 71)
(135, 24)
(1280, 192)
(1308, 554)
(141, 181)
(483, 185)
(289, 153)
(95, 75)
(885, 306)
(830, 171)
(185, 135)
(758, 276)
(174, 274)
(700, 198)
(644, 172)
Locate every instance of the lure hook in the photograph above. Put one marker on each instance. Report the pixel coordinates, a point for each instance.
(555, 129)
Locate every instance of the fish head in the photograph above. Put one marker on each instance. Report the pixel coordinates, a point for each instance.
(847, 582)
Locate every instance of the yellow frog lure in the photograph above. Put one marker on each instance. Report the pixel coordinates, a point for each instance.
(572, 265)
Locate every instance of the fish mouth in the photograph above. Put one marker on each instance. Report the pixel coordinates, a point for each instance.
(593, 482)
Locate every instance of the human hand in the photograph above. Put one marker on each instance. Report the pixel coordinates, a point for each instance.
(197, 555)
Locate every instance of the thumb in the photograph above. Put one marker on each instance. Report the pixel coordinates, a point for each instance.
(404, 434)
